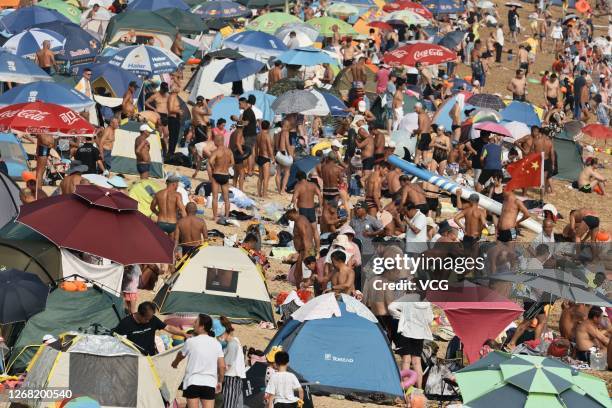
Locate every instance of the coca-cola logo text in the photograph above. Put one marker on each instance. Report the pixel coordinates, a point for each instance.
(431, 52)
(33, 114)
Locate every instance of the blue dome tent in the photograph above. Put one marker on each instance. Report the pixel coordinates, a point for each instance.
(338, 347)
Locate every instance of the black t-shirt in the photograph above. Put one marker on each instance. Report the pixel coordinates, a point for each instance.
(143, 335)
(88, 154)
(512, 17)
(478, 145)
(579, 83)
(250, 130)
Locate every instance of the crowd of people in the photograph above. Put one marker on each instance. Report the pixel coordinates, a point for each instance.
(354, 205)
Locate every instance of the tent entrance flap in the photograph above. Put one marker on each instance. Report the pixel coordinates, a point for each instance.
(114, 384)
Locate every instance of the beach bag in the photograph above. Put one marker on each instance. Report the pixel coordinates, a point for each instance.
(284, 160)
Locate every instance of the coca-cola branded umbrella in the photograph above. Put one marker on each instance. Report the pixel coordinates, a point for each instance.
(408, 5)
(100, 224)
(40, 117)
(425, 53)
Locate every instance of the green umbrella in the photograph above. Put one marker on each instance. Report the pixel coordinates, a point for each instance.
(270, 22)
(503, 380)
(68, 10)
(342, 9)
(325, 24)
(187, 23)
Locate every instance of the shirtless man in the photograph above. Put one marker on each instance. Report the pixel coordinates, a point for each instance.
(158, 102)
(275, 74)
(343, 279)
(73, 177)
(44, 144)
(373, 189)
(348, 53)
(220, 162)
(590, 180)
(523, 59)
(583, 226)
(394, 186)
(475, 220)
(543, 143)
(174, 119)
(264, 153)
(128, 110)
(517, 86)
(191, 231)
(571, 315)
(142, 149)
(236, 145)
(507, 223)
(423, 149)
(588, 334)
(303, 240)
(365, 142)
(455, 114)
(379, 145)
(413, 193)
(165, 205)
(282, 146)
(45, 58)
(200, 114)
(303, 199)
(106, 141)
(177, 46)
(398, 105)
(332, 175)
(526, 143)
(552, 91)
(359, 71)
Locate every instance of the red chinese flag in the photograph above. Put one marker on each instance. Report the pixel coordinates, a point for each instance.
(528, 172)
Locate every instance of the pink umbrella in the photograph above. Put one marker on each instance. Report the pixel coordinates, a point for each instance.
(493, 128)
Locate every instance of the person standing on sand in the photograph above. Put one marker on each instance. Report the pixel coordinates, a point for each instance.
(475, 221)
(220, 162)
(106, 142)
(343, 278)
(44, 144)
(191, 231)
(158, 102)
(239, 150)
(303, 240)
(174, 120)
(264, 152)
(205, 365)
(142, 149)
(304, 194)
(128, 110)
(166, 203)
(508, 219)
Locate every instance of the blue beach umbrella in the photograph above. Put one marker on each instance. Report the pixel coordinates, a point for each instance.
(146, 60)
(224, 107)
(521, 112)
(50, 92)
(221, 9)
(24, 18)
(327, 104)
(152, 5)
(306, 56)
(444, 6)
(263, 102)
(80, 46)
(256, 42)
(17, 69)
(29, 42)
(238, 70)
(451, 40)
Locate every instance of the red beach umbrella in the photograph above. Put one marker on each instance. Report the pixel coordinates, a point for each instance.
(425, 53)
(408, 5)
(381, 25)
(40, 117)
(97, 225)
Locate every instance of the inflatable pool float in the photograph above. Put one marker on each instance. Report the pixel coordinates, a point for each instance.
(283, 159)
(409, 378)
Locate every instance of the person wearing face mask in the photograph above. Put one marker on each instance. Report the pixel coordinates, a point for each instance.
(234, 363)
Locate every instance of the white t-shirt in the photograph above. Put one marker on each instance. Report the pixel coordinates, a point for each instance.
(202, 354)
(417, 243)
(234, 359)
(282, 385)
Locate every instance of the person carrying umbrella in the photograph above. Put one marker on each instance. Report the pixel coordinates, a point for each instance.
(513, 19)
